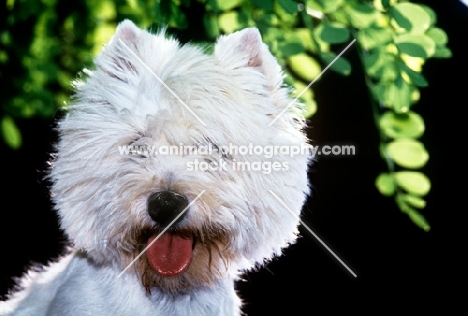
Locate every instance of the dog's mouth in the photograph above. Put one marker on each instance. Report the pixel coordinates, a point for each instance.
(170, 254)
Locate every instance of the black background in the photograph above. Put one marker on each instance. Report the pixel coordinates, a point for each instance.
(398, 265)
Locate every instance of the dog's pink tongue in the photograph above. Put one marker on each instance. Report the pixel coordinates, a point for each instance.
(170, 254)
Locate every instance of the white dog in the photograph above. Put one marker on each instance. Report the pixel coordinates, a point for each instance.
(167, 233)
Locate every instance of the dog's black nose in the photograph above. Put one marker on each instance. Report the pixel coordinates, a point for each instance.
(165, 206)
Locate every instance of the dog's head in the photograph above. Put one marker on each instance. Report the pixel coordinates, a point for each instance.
(187, 156)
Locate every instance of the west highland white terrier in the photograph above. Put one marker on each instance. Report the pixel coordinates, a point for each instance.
(176, 170)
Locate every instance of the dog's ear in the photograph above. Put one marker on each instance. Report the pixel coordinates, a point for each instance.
(245, 48)
(127, 31)
(116, 59)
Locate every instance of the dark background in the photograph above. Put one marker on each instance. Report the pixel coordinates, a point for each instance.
(397, 264)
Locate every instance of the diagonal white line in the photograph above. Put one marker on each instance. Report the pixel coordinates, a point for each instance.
(310, 230)
(160, 234)
(312, 82)
(162, 82)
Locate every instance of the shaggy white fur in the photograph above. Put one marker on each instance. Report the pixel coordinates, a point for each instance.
(109, 201)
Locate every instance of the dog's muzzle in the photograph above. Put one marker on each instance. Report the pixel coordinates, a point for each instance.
(165, 206)
(169, 253)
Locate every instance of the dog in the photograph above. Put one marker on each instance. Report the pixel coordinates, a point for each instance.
(158, 233)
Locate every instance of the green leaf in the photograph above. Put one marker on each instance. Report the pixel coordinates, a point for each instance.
(385, 184)
(442, 52)
(305, 37)
(291, 48)
(223, 5)
(341, 65)
(402, 204)
(174, 16)
(415, 94)
(289, 6)
(402, 96)
(408, 153)
(11, 133)
(413, 182)
(431, 13)
(362, 15)
(305, 66)
(415, 77)
(270, 19)
(311, 107)
(419, 220)
(382, 4)
(330, 6)
(438, 36)
(383, 92)
(264, 4)
(415, 45)
(107, 11)
(414, 215)
(414, 200)
(411, 17)
(373, 63)
(394, 125)
(374, 37)
(232, 21)
(332, 33)
(211, 24)
(379, 63)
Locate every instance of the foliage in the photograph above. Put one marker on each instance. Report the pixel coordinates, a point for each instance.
(43, 44)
